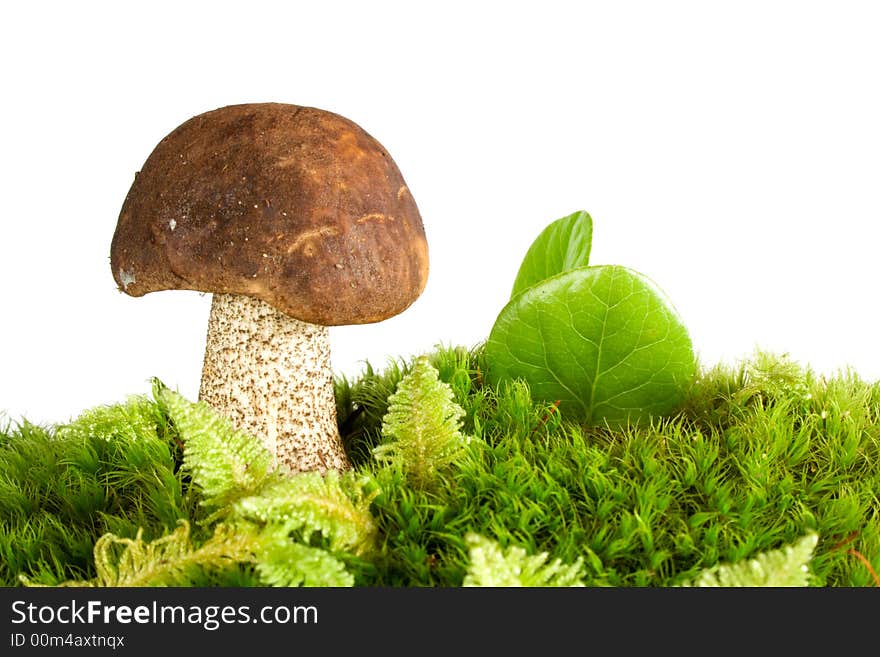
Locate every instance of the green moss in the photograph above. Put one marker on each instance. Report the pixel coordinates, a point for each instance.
(761, 455)
(114, 469)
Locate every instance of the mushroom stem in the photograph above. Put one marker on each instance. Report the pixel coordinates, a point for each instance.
(270, 375)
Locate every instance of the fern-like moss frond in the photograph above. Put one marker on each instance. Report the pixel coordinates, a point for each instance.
(136, 419)
(224, 462)
(421, 430)
(283, 562)
(491, 566)
(788, 566)
(310, 503)
(165, 561)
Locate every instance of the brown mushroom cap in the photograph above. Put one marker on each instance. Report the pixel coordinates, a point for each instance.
(293, 205)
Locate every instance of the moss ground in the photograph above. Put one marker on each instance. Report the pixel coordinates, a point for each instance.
(760, 454)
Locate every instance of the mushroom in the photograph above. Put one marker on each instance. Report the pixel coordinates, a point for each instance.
(295, 219)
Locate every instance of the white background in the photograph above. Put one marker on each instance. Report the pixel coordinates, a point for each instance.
(730, 151)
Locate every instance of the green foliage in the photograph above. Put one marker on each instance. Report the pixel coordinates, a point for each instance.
(363, 403)
(163, 561)
(563, 245)
(491, 566)
(225, 463)
(788, 566)
(760, 455)
(421, 428)
(298, 523)
(728, 477)
(113, 469)
(331, 505)
(304, 521)
(285, 563)
(290, 529)
(604, 342)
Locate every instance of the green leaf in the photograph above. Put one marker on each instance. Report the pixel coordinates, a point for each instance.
(563, 245)
(604, 342)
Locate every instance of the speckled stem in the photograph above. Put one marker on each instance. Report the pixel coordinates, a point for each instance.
(271, 375)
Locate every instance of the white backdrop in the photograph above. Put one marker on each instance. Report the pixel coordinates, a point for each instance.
(730, 151)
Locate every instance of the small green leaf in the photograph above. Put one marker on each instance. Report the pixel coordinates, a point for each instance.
(603, 341)
(563, 245)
